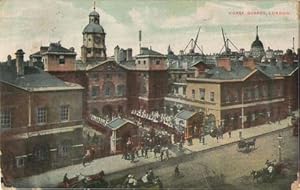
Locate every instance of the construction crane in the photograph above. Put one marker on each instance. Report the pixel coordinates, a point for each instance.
(226, 44)
(193, 44)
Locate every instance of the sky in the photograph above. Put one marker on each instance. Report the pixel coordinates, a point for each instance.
(29, 24)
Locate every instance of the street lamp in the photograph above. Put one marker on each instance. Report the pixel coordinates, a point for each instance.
(279, 146)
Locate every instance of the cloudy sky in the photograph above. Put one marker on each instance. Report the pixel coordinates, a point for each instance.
(32, 23)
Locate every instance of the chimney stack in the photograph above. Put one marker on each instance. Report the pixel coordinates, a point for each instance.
(9, 60)
(20, 62)
(129, 54)
(116, 54)
(224, 62)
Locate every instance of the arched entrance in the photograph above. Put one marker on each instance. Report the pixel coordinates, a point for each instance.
(107, 111)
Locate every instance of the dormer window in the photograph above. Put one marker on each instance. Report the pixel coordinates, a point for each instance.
(61, 59)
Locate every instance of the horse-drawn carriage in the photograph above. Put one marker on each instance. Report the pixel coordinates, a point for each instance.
(88, 181)
(269, 172)
(246, 145)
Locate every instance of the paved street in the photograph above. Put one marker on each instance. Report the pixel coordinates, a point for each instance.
(227, 153)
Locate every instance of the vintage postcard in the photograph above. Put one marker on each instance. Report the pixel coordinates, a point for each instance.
(149, 94)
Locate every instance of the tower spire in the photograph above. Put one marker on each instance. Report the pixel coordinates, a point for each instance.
(257, 32)
(94, 5)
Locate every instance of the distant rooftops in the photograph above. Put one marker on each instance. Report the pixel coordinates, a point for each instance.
(149, 52)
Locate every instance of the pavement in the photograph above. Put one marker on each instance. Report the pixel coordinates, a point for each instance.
(115, 163)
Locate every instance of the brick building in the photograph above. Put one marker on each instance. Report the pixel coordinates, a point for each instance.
(41, 119)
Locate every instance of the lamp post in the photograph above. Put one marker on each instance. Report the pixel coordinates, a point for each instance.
(279, 146)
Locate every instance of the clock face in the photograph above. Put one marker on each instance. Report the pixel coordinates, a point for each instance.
(97, 39)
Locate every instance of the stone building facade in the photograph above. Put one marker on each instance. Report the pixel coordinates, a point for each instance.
(41, 120)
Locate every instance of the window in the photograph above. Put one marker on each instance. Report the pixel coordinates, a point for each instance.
(108, 76)
(61, 59)
(95, 91)
(139, 62)
(107, 91)
(120, 90)
(157, 62)
(40, 154)
(5, 119)
(64, 113)
(212, 96)
(144, 62)
(193, 93)
(202, 93)
(20, 162)
(42, 115)
(89, 50)
(63, 149)
(176, 89)
(179, 76)
(253, 117)
(184, 90)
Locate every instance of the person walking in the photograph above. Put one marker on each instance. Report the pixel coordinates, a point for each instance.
(167, 153)
(161, 155)
(203, 139)
(66, 180)
(146, 152)
(177, 173)
(229, 133)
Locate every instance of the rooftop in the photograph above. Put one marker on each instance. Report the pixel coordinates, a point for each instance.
(117, 123)
(34, 79)
(185, 114)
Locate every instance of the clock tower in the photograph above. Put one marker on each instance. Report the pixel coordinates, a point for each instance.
(93, 48)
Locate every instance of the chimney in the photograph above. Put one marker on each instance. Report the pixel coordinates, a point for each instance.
(249, 63)
(9, 60)
(20, 62)
(116, 54)
(129, 54)
(224, 62)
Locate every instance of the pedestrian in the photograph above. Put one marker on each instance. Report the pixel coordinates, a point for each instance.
(132, 156)
(146, 152)
(66, 180)
(200, 138)
(167, 153)
(240, 134)
(161, 155)
(177, 173)
(143, 151)
(137, 151)
(203, 139)
(217, 138)
(158, 181)
(229, 133)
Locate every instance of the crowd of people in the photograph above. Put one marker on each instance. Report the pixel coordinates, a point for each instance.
(155, 117)
(154, 141)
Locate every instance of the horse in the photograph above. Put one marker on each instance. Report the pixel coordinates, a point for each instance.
(89, 156)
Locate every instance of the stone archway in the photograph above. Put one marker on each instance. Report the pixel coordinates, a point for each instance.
(107, 111)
